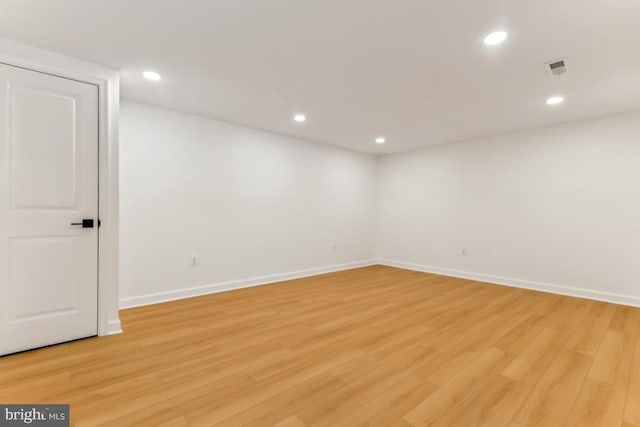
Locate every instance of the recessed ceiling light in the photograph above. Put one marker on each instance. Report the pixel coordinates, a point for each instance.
(300, 118)
(152, 75)
(380, 140)
(555, 100)
(495, 38)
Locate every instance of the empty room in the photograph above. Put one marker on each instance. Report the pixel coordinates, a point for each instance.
(320, 213)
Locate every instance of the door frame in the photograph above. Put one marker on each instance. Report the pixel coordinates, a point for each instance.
(108, 82)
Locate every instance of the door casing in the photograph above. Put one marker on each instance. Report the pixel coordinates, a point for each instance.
(108, 81)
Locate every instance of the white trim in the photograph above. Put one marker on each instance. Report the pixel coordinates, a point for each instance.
(236, 284)
(108, 82)
(518, 283)
(114, 327)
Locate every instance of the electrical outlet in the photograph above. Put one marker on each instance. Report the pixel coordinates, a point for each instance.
(194, 260)
(463, 252)
(335, 247)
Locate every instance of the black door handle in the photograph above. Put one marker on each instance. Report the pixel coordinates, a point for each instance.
(86, 223)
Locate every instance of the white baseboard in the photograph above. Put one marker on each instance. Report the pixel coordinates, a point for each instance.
(519, 283)
(236, 284)
(114, 327)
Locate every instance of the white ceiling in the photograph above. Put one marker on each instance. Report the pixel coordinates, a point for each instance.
(415, 71)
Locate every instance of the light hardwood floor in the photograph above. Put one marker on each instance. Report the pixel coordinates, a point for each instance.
(373, 346)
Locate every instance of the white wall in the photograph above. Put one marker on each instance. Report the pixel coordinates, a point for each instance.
(555, 209)
(249, 204)
(552, 208)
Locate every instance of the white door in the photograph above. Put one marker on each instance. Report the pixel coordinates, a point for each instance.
(48, 180)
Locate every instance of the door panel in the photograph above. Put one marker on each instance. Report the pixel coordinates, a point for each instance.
(58, 258)
(48, 180)
(39, 181)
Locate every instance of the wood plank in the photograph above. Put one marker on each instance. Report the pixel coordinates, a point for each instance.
(291, 421)
(375, 346)
(495, 405)
(632, 408)
(436, 408)
(554, 394)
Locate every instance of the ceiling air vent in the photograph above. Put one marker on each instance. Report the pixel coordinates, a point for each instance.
(556, 68)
